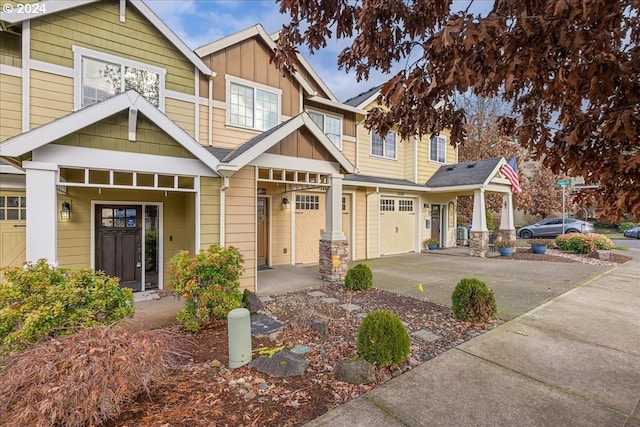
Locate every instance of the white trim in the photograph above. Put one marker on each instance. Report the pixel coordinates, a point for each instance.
(292, 223)
(10, 70)
(26, 76)
(389, 186)
(383, 157)
(444, 138)
(229, 80)
(348, 138)
(369, 100)
(196, 107)
(223, 210)
(335, 104)
(181, 96)
(50, 68)
(196, 209)
(277, 161)
(81, 52)
(219, 104)
(326, 114)
(123, 11)
(352, 221)
(415, 159)
(209, 104)
(10, 169)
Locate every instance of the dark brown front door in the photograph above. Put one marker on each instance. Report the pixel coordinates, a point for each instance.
(119, 243)
(435, 222)
(263, 230)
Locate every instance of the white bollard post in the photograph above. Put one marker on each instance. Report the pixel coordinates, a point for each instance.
(239, 330)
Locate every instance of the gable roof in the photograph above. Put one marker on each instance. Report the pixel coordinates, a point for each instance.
(467, 174)
(364, 98)
(247, 152)
(73, 122)
(259, 31)
(56, 6)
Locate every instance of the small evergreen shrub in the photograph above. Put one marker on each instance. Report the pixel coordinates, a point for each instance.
(472, 300)
(38, 301)
(359, 278)
(583, 243)
(489, 219)
(383, 339)
(624, 226)
(210, 283)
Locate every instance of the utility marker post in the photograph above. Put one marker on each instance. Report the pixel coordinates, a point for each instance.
(564, 184)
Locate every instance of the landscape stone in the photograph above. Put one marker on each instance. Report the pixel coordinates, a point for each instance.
(320, 324)
(330, 300)
(316, 294)
(249, 395)
(254, 304)
(426, 335)
(601, 255)
(355, 372)
(263, 325)
(266, 299)
(282, 364)
(301, 349)
(350, 307)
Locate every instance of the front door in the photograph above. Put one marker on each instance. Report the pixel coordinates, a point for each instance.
(435, 222)
(119, 243)
(263, 231)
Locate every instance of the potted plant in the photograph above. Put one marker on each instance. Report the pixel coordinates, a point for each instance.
(538, 246)
(505, 247)
(432, 244)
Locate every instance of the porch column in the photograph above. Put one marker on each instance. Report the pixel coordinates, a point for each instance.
(507, 229)
(479, 239)
(333, 262)
(42, 211)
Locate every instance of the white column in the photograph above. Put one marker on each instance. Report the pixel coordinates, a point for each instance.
(42, 211)
(479, 222)
(333, 229)
(506, 217)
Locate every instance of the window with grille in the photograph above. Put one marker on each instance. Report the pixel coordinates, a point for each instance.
(405, 205)
(384, 147)
(387, 205)
(330, 125)
(437, 149)
(253, 107)
(13, 208)
(307, 202)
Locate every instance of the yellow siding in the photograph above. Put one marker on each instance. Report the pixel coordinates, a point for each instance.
(10, 106)
(11, 49)
(377, 166)
(427, 168)
(240, 229)
(97, 26)
(349, 151)
(203, 131)
(372, 225)
(51, 97)
(228, 137)
(182, 113)
(209, 212)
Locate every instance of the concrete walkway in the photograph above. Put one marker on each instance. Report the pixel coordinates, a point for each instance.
(573, 361)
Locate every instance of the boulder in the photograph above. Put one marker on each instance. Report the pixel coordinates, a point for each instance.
(355, 372)
(601, 255)
(254, 304)
(282, 364)
(320, 324)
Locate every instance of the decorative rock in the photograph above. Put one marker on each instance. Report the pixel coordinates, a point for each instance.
(266, 299)
(215, 364)
(349, 307)
(330, 300)
(426, 335)
(254, 304)
(301, 349)
(249, 395)
(282, 364)
(263, 386)
(602, 255)
(232, 383)
(263, 325)
(320, 324)
(355, 372)
(316, 294)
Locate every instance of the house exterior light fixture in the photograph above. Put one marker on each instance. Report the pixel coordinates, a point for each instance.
(286, 204)
(65, 212)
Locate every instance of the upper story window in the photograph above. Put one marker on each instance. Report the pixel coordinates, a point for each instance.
(383, 147)
(100, 76)
(251, 105)
(330, 125)
(437, 149)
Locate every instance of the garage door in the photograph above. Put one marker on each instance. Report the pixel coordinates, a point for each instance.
(12, 229)
(310, 223)
(397, 225)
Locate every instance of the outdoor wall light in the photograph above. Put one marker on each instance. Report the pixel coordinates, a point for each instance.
(286, 204)
(65, 212)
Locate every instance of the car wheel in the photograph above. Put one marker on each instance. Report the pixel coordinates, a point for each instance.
(572, 230)
(526, 234)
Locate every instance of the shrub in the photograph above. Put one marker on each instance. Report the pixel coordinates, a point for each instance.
(489, 218)
(540, 241)
(83, 379)
(507, 243)
(210, 283)
(359, 278)
(625, 226)
(38, 301)
(383, 339)
(472, 300)
(583, 243)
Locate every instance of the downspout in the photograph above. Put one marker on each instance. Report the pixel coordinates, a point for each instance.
(210, 107)
(415, 159)
(378, 222)
(223, 208)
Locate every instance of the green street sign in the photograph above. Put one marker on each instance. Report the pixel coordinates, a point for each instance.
(563, 183)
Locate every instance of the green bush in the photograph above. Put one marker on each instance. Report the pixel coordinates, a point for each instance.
(383, 339)
(38, 301)
(583, 243)
(359, 278)
(472, 300)
(489, 217)
(625, 226)
(210, 283)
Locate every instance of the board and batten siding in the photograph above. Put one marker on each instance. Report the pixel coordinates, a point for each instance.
(97, 26)
(209, 212)
(10, 106)
(240, 224)
(51, 97)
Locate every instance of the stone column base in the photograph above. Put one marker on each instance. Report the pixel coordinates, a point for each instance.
(334, 260)
(479, 243)
(507, 234)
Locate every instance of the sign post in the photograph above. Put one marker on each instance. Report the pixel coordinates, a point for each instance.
(564, 184)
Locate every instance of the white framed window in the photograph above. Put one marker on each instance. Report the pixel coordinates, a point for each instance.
(387, 205)
(252, 105)
(384, 147)
(405, 205)
(99, 76)
(307, 202)
(329, 124)
(438, 149)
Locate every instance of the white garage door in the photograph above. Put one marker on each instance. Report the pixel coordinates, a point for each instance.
(397, 225)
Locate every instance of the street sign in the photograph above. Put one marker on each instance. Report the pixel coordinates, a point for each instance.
(563, 183)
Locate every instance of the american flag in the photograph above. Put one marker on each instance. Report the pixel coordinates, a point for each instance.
(510, 171)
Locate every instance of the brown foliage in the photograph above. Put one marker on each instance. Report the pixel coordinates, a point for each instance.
(83, 378)
(568, 63)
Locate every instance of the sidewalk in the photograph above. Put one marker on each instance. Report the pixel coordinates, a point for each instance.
(573, 361)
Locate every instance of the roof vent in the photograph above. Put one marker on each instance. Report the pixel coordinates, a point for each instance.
(450, 168)
(470, 165)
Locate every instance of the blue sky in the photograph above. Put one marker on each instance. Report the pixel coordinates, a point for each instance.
(199, 22)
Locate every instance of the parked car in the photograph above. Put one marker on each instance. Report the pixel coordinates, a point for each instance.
(552, 227)
(632, 233)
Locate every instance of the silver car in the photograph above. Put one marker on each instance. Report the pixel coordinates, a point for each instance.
(632, 233)
(552, 227)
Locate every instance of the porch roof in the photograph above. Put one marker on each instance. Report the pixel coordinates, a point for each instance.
(467, 175)
(368, 180)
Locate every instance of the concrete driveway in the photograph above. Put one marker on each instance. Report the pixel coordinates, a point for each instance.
(519, 286)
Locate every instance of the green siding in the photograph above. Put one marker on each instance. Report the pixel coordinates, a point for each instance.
(113, 134)
(98, 27)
